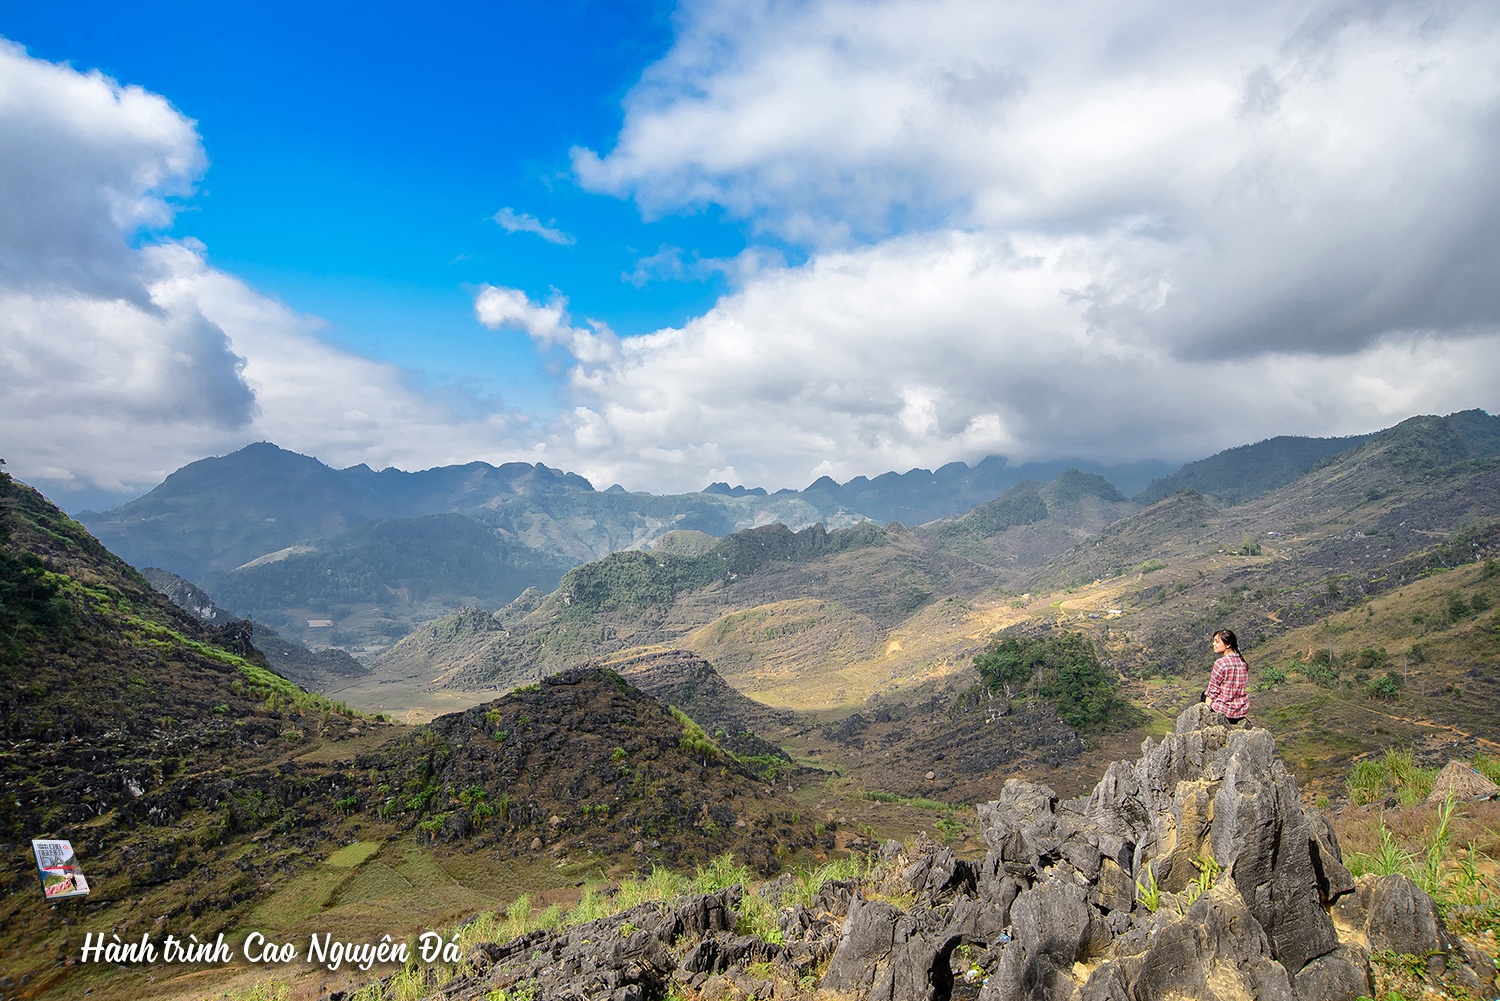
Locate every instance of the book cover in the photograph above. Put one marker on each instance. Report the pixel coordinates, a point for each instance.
(57, 867)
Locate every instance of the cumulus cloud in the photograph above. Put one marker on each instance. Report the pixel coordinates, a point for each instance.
(519, 222)
(1102, 230)
(86, 164)
(958, 346)
(125, 356)
(548, 325)
(1099, 229)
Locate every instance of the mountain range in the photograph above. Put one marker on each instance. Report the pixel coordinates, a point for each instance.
(206, 792)
(355, 558)
(870, 616)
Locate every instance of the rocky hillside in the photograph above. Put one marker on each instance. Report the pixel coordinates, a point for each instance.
(205, 793)
(1194, 871)
(154, 742)
(690, 683)
(771, 608)
(584, 766)
(314, 670)
(1237, 475)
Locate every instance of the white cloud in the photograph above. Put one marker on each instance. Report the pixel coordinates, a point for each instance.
(122, 360)
(1293, 178)
(548, 325)
(1097, 229)
(519, 222)
(957, 346)
(671, 263)
(1105, 230)
(85, 163)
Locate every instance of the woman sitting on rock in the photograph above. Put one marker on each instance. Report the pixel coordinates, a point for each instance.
(1228, 692)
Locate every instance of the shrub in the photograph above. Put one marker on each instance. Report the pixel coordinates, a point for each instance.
(1063, 668)
(1387, 687)
(1394, 771)
(1269, 678)
(721, 872)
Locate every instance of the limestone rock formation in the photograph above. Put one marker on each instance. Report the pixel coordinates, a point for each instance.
(1194, 871)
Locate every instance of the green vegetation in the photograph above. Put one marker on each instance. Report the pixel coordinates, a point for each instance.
(1063, 668)
(30, 603)
(1328, 670)
(808, 883)
(1208, 869)
(695, 740)
(1454, 878)
(1396, 772)
(1270, 678)
(1240, 474)
(916, 801)
(1488, 767)
(768, 766)
(1147, 892)
(1021, 505)
(634, 580)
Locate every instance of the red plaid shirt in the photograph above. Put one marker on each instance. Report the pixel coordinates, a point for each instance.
(1229, 686)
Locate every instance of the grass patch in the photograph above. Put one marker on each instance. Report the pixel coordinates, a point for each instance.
(354, 855)
(919, 802)
(1488, 767)
(1392, 772)
(695, 740)
(808, 883)
(1459, 880)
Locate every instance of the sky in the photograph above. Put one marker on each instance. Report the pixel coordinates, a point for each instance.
(761, 242)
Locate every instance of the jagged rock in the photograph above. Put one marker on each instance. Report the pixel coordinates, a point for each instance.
(1113, 891)
(1054, 919)
(1263, 841)
(718, 953)
(1032, 976)
(1249, 886)
(1334, 881)
(626, 957)
(939, 872)
(887, 954)
(868, 937)
(1020, 826)
(1217, 951)
(1206, 802)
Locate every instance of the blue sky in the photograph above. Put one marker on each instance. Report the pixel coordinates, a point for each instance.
(669, 244)
(359, 152)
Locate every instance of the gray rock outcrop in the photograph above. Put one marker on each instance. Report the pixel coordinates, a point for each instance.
(1194, 871)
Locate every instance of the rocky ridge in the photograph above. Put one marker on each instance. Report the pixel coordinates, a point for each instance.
(1191, 872)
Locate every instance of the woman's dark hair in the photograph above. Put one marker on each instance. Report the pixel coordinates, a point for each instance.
(1227, 635)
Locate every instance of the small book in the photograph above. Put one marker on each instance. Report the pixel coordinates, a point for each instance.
(57, 867)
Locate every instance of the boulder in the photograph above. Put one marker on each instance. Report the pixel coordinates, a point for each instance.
(1341, 975)
(1404, 919)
